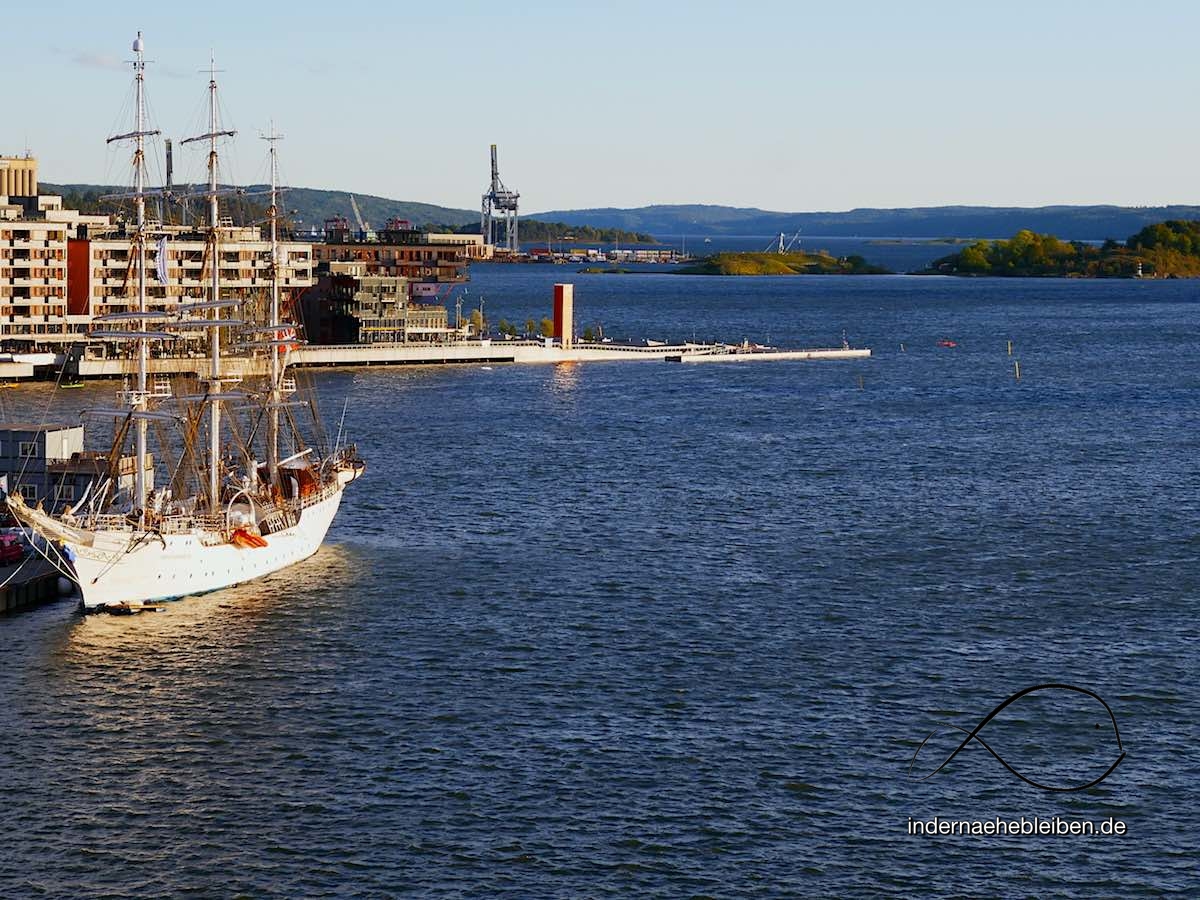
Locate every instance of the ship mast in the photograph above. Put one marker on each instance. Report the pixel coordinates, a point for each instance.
(273, 412)
(138, 398)
(214, 386)
(214, 379)
(143, 345)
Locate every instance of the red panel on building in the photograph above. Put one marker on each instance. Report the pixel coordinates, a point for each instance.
(79, 252)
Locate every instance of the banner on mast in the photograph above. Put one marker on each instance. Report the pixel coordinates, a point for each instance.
(161, 268)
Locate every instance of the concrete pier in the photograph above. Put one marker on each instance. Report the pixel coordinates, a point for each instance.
(15, 370)
(168, 365)
(36, 583)
(422, 354)
(737, 354)
(484, 351)
(487, 351)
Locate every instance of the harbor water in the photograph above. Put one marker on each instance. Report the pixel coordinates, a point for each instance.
(634, 629)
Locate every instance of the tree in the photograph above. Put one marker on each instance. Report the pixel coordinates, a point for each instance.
(588, 334)
(547, 328)
(974, 258)
(477, 321)
(530, 327)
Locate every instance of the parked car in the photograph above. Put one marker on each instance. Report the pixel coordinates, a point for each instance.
(12, 551)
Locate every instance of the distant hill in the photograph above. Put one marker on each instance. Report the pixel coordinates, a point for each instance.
(312, 206)
(1080, 223)
(315, 206)
(1077, 223)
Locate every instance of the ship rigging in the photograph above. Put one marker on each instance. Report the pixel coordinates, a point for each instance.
(225, 515)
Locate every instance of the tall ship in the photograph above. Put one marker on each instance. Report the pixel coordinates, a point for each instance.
(247, 492)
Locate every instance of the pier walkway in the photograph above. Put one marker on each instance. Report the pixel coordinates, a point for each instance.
(488, 351)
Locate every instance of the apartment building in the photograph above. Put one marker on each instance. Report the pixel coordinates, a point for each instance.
(397, 250)
(178, 268)
(60, 268)
(349, 306)
(33, 280)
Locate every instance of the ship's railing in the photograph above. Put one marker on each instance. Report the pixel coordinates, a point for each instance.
(176, 524)
(108, 523)
(165, 524)
(179, 524)
(316, 497)
(278, 519)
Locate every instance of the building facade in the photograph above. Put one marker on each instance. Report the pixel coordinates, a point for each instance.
(33, 280)
(348, 306)
(18, 176)
(47, 464)
(473, 244)
(59, 269)
(398, 251)
(179, 268)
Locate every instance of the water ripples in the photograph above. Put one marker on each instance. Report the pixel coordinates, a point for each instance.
(620, 630)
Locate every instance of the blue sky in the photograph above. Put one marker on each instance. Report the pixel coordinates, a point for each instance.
(781, 105)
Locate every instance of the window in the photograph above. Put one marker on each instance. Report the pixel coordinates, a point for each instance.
(28, 492)
(65, 492)
(29, 448)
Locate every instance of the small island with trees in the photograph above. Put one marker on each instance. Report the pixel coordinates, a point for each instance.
(1166, 250)
(536, 230)
(792, 263)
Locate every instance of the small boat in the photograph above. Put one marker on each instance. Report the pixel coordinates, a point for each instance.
(946, 342)
(71, 384)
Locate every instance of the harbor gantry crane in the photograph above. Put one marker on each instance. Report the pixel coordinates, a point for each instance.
(499, 204)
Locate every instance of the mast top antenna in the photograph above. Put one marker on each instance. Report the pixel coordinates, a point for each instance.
(212, 69)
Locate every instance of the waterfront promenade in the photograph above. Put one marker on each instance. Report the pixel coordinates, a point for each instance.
(477, 351)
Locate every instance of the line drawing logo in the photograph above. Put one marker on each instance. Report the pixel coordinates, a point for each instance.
(973, 735)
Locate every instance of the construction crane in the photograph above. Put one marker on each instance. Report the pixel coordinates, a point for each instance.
(358, 216)
(499, 204)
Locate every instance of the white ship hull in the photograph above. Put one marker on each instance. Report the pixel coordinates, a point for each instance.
(177, 565)
(242, 503)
